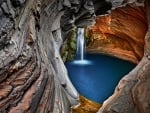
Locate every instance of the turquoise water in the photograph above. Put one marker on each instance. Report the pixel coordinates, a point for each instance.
(97, 79)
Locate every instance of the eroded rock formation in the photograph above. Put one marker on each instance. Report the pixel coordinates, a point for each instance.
(121, 33)
(33, 77)
(132, 93)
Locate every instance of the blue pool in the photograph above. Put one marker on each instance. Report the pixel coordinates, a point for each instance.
(97, 79)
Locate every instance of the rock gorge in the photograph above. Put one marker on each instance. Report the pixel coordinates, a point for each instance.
(33, 77)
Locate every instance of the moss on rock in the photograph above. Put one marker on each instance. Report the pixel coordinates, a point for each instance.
(68, 50)
(69, 47)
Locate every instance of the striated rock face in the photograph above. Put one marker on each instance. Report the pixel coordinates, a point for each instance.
(121, 33)
(33, 77)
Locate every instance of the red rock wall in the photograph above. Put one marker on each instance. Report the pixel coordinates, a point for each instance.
(132, 95)
(120, 33)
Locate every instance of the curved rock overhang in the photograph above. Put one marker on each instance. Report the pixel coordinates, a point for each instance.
(120, 33)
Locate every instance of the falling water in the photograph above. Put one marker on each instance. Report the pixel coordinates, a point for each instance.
(80, 44)
(80, 59)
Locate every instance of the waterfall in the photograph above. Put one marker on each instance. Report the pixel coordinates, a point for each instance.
(80, 44)
(80, 59)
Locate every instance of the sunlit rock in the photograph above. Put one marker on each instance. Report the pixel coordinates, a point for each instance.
(121, 33)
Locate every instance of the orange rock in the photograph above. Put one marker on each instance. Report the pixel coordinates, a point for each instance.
(5, 90)
(120, 33)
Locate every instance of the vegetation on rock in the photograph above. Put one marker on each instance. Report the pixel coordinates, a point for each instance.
(68, 50)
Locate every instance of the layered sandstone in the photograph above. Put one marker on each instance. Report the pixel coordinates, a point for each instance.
(120, 34)
(132, 95)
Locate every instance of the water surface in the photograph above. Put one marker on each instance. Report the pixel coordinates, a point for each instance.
(97, 79)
